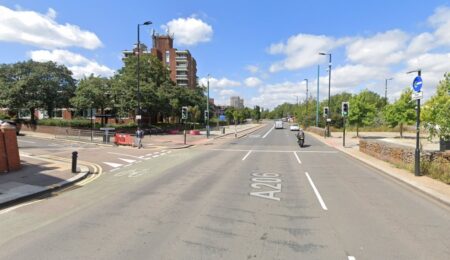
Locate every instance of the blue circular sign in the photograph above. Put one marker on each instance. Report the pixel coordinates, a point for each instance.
(417, 84)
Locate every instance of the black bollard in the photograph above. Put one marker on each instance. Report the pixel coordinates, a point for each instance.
(74, 162)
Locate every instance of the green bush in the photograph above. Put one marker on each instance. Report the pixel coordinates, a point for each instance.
(4, 115)
(438, 169)
(76, 122)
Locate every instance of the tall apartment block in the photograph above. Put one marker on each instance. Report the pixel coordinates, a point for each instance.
(182, 66)
(236, 102)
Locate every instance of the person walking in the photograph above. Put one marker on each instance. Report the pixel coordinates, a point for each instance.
(139, 136)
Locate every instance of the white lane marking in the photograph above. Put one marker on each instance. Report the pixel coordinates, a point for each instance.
(155, 156)
(114, 165)
(149, 154)
(270, 151)
(127, 160)
(125, 155)
(298, 159)
(245, 157)
(169, 151)
(268, 132)
(324, 207)
(23, 141)
(18, 206)
(351, 257)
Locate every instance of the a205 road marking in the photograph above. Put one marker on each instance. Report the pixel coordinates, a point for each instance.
(270, 182)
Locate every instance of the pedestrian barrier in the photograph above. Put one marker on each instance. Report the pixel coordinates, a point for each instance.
(123, 139)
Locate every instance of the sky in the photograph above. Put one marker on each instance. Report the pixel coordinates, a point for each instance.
(259, 50)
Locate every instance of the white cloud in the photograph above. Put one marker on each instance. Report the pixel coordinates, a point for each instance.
(189, 31)
(382, 48)
(252, 82)
(219, 83)
(440, 20)
(252, 68)
(351, 76)
(78, 64)
(272, 95)
(228, 92)
(302, 51)
(41, 30)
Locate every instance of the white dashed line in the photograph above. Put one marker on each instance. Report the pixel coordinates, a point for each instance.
(351, 257)
(298, 159)
(324, 207)
(268, 132)
(245, 157)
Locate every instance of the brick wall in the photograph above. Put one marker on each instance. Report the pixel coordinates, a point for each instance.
(397, 154)
(316, 130)
(9, 151)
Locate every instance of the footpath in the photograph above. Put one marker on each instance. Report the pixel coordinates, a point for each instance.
(40, 175)
(425, 184)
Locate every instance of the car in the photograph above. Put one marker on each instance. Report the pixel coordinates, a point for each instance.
(294, 127)
(17, 126)
(278, 124)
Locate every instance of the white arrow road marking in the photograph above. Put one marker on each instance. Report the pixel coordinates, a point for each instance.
(114, 165)
(324, 207)
(127, 160)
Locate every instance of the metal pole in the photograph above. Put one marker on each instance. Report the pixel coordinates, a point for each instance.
(92, 125)
(74, 161)
(329, 90)
(207, 109)
(343, 136)
(306, 121)
(417, 153)
(317, 103)
(138, 73)
(385, 92)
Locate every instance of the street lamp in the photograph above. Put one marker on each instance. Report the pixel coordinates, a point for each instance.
(329, 87)
(385, 90)
(138, 70)
(207, 109)
(306, 117)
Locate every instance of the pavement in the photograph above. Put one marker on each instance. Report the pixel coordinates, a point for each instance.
(425, 184)
(41, 174)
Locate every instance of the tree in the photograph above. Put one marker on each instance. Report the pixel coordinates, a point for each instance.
(33, 85)
(401, 111)
(436, 111)
(195, 114)
(256, 113)
(93, 92)
(361, 111)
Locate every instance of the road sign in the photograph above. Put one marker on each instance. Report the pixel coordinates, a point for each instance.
(138, 117)
(417, 84)
(417, 95)
(328, 119)
(222, 118)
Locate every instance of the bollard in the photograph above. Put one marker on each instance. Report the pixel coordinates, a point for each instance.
(184, 136)
(74, 162)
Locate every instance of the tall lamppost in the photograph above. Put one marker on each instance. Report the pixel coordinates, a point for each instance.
(329, 88)
(317, 102)
(385, 90)
(306, 117)
(139, 117)
(207, 111)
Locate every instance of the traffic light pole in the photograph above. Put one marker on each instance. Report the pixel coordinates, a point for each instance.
(343, 136)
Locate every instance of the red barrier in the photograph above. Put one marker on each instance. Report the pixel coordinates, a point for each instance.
(123, 139)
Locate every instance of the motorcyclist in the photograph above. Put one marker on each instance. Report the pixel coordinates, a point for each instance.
(301, 137)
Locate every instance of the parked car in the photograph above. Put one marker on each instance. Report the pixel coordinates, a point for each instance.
(294, 127)
(11, 122)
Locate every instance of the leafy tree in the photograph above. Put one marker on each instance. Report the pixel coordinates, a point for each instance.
(256, 113)
(361, 111)
(195, 114)
(33, 85)
(93, 92)
(401, 111)
(436, 111)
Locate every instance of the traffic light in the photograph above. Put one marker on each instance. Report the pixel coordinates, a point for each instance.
(184, 113)
(345, 106)
(326, 111)
(206, 115)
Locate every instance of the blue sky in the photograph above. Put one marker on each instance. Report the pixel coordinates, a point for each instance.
(259, 50)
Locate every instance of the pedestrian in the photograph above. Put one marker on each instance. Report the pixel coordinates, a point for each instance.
(139, 136)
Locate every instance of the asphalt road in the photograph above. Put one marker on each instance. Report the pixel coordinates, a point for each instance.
(258, 197)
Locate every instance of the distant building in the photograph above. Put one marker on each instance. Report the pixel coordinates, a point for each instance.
(181, 64)
(236, 102)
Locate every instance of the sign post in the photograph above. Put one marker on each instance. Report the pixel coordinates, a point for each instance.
(417, 87)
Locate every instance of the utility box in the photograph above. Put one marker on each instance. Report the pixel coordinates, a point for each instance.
(9, 149)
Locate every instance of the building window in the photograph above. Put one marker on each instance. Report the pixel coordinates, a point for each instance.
(167, 57)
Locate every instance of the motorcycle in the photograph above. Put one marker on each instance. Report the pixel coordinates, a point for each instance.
(301, 138)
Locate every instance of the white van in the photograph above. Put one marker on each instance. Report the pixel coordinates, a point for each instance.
(278, 124)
